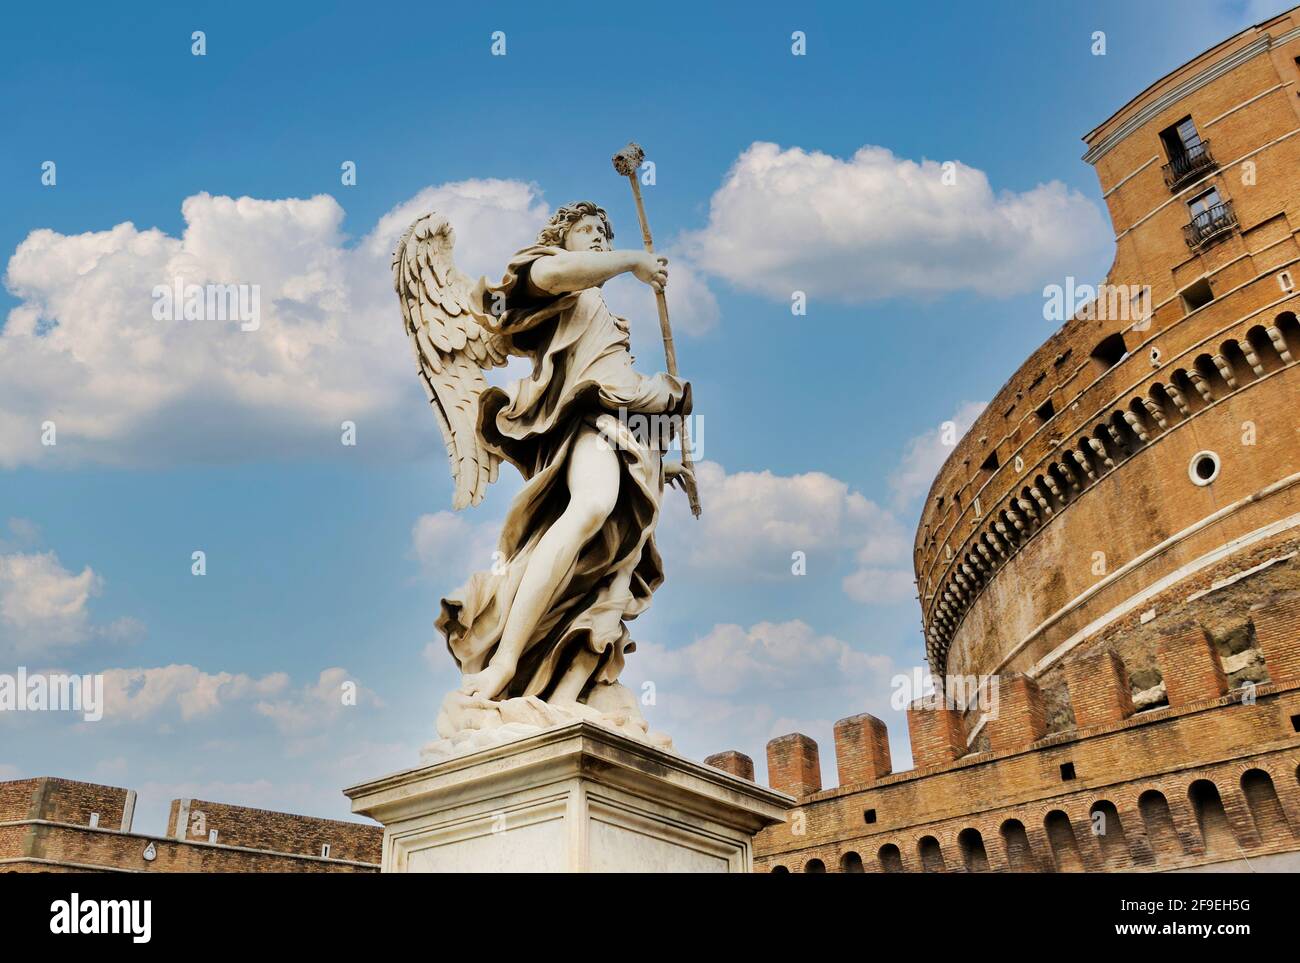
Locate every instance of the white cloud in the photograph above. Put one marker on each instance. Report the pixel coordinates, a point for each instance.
(163, 693)
(751, 515)
(737, 687)
(692, 308)
(44, 607)
(767, 656)
(83, 350)
(449, 545)
(753, 522)
(879, 586)
(315, 705)
(876, 226)
(926, 453)
(135, 695)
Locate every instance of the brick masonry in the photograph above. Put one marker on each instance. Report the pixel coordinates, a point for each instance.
(45, 826)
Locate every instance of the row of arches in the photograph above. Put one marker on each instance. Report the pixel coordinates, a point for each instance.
(1147, 836)
(1123, 433)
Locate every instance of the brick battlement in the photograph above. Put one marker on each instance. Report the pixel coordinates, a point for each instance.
(1177, 782)
(49, 824)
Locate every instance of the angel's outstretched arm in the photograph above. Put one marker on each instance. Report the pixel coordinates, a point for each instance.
(576, 270)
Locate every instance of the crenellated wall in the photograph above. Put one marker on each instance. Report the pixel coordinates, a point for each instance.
(61, 825)
(1208, 774)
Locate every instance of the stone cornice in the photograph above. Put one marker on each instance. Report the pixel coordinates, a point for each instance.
(1189, 86)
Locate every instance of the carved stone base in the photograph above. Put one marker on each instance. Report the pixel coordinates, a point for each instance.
(468, 724)
(579, 797)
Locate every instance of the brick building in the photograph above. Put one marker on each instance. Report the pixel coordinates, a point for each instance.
(1113, 544)
(58, 825)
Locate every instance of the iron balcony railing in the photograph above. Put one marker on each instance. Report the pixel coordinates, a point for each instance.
(1210, 224)
(1189, 165)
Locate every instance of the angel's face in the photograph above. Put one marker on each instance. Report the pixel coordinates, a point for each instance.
(587, 234)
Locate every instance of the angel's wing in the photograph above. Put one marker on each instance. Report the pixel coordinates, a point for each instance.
(452, 350)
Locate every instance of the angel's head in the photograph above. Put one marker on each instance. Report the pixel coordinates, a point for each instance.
(580, 226)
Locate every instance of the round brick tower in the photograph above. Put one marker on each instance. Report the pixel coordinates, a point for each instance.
(1141, 470)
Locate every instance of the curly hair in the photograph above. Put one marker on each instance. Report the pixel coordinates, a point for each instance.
(557, 228)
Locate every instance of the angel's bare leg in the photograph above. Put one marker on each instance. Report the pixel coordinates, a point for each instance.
(579, 672)
(593, 479)
(575, 678)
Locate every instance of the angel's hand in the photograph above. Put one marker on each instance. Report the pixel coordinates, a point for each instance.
(678, 475)
(652, 269)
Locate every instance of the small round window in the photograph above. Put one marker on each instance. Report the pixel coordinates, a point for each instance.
(1204, 468)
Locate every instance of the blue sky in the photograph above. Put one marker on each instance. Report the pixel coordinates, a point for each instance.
(774, 173)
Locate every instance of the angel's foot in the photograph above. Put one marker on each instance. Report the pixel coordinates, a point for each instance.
(488, 683)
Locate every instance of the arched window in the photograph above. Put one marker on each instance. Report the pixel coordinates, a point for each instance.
(973, 856)
(814, 866)
(1109, 352)
(931, 855)
(1015, 841)
(891, 860)
(1265, 808)
(1159, 823)
(1106, 827)
(1210, 817)
(851, 863)
(1065, 847)
(1262, 345)
(1290, 328)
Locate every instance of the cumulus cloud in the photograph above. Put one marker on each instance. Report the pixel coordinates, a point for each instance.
(450, 546)
(692, 308)
(753, 523)
(876, 225)
(736, 686)
(317, 704)
(879, 586)
(764, 656)
(84, 362)
(44, 607)
(925, 454)
(134, 695)
(187, 693)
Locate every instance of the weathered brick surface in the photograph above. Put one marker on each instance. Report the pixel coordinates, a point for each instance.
(1277, 632)
(1020, 720)
(1190, 667)
(736, 763)
(861, 749)
(62, 800)
(936, 732)
(1162, 751)
(793, 765)
(282, 832)
(44, 827)
(1099, 688)
(19, 798)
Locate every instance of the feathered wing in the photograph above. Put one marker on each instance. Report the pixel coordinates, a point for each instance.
(452, 349)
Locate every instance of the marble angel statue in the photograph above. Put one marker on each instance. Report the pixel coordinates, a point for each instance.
(540, 637)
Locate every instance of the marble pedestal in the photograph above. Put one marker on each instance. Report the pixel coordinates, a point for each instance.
(578, 797)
